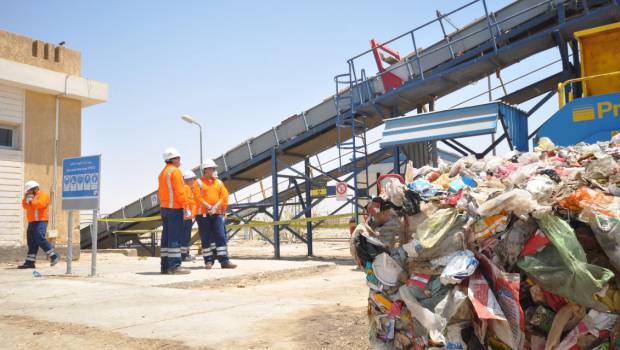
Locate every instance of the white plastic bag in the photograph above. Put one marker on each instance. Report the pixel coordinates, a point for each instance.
(387, 270)
(540, 186)
(518, 201)
(461, 265)
(434, 323)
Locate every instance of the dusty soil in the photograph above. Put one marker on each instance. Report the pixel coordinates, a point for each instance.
(319, 328)
(20, 332)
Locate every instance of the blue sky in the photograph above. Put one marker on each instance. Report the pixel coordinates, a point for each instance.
(238, 67)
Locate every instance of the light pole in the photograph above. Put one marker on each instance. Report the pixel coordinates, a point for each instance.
(191, 120)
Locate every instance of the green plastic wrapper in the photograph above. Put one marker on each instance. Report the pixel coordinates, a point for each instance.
(562, 268)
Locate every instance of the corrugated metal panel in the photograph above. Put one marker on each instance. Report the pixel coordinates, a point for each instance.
(455, 123)
(11, 168)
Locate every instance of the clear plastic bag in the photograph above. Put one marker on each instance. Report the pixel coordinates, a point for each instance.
(562, 267)
(607, 232)
(518, 201)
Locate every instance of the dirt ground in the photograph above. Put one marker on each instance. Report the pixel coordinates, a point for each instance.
(320, 328)
(331, 313)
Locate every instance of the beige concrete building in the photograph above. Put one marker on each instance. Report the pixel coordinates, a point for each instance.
(42, 94)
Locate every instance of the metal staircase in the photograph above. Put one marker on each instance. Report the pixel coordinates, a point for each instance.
(351, 130)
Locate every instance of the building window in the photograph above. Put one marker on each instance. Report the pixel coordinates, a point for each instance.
(7, 139)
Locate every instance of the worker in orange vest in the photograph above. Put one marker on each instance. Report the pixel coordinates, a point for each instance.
(188, 220)
(212, 200)
(173, 202)
(35, 202)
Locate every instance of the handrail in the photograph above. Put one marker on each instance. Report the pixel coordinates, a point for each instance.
(561, 85)
(492, 27)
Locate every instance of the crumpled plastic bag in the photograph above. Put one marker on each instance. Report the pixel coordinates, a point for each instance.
(489, 226)
(439, 234)
(434, 323)
(601, 168)
(586, 197)
(461, 265)
(492, 163)
(606, 229)
(394, 191)
(562, 267)
(541, 187)
(508, 249)
(387, 270)
(545, 144)
(522, 174)
(517, 201)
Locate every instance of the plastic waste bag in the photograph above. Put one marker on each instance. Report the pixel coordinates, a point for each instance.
(601, 168)
(461, 182)
(394, 191)
(490, 226)
(440, 234)
(541, 187)
(518, 201)
(461, 265)
(387, 270)
(586, 197)
(410, 172)
(562, 267)
(545, 144)
(606, 229)
(434, 323)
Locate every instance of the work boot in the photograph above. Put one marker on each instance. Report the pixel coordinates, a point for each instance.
(55, 259)
(179, 271)
(228, 265)
(26, 265)
(163, 271)
(208, 266)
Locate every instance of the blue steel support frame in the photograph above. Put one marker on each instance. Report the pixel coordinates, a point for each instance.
(308, 206)
(276, 202)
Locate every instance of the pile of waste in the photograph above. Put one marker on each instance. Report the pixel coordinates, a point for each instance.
(520, 251)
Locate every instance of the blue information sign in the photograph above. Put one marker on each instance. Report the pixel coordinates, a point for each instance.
(80, 183)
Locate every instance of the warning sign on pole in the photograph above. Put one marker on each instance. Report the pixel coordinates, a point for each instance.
(341, 191)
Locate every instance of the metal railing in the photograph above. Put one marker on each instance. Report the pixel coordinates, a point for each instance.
(492, 27)
(563, 99)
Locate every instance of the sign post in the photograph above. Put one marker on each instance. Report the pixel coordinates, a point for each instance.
(341, 191)
(80, 191)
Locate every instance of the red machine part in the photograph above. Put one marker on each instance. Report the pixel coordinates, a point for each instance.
(389, 79)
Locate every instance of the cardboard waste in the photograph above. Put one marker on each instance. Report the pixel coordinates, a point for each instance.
(520, 251)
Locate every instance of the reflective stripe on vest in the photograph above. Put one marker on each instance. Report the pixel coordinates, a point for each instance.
(36, 215)
(169, 181)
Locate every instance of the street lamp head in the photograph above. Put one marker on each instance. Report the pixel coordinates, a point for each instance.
(188, 118)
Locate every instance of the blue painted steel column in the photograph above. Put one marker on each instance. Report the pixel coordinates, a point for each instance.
(276, 202)
(308, 209)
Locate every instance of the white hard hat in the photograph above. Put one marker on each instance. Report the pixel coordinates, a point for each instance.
(209, 163)
(30, 185)
(188, 175)
(170, 153)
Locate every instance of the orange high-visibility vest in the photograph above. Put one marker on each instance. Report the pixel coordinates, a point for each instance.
(210, 192)
(37, 209)
(171, 192)
(191, 203)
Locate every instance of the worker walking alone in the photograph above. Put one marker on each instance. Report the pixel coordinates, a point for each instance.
(188, 220)
(212, 198)
(35, 202)
(173, 202)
